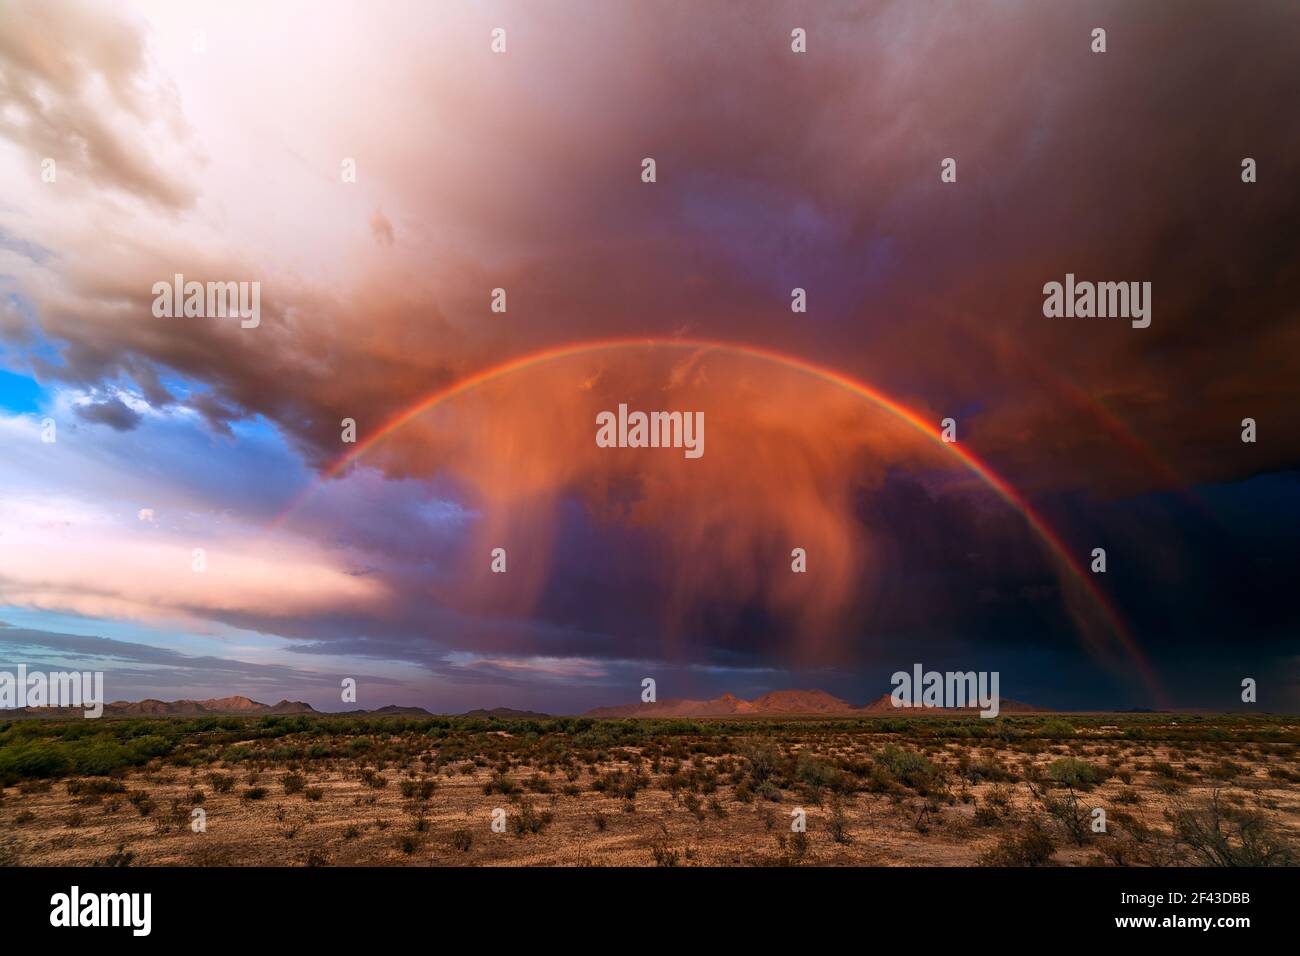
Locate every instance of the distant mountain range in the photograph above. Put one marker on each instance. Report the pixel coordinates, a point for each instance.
(792, 703)
(504, 713)
(787, 703)
(224, 706)
(238, 706)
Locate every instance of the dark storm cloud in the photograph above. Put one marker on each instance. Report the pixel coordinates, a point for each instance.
(112, 412)
(822, 171)
(775, 170)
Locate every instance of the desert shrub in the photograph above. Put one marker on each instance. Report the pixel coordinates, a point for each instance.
(618, 783)
(501, 784)
(119, 857)
(999, 798)
(663, 854)
(1074, 773)
(313, 793)
(31, 760)
(221, 782)
(1227, 770)
(768, 791)
(462, 840)
(909, 767)
(693, 807)
(1221, 835)
(255, 793)
(528, 819)
(880, 780)
(419, 790)
(763, 759)
(817, 773)
(1030, 845)
(141, 801)
(1057, 728)
(989, 768)
(1072, 816)
(94, 787)
(838, 824)
(294, 782)
(408, 843)
(798, 846)
(1162, 768)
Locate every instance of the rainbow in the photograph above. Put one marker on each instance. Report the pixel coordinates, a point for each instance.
(1057, 548)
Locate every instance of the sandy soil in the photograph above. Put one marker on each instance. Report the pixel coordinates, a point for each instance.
(353, 821)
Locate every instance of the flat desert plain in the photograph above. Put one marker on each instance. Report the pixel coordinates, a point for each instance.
(1023, 790)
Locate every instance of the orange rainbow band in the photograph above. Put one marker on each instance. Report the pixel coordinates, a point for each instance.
(1004, 490)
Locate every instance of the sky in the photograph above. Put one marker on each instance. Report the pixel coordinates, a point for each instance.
(380, 170)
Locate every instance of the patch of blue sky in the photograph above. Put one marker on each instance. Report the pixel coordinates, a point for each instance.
(21, 393)
(258, 472)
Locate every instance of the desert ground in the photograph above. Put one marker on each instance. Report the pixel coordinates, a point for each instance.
(916, 791)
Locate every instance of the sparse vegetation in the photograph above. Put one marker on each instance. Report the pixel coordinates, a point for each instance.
(1031, 845)
(1222, 835)
(1018, 790)
(1074, 773)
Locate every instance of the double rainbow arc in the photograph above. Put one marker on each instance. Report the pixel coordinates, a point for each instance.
(1055, 545)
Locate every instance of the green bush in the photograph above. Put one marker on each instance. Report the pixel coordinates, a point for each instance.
(29, 760)
(1075, 773)
(911, 768)
(1057, 728)
(816, 772)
